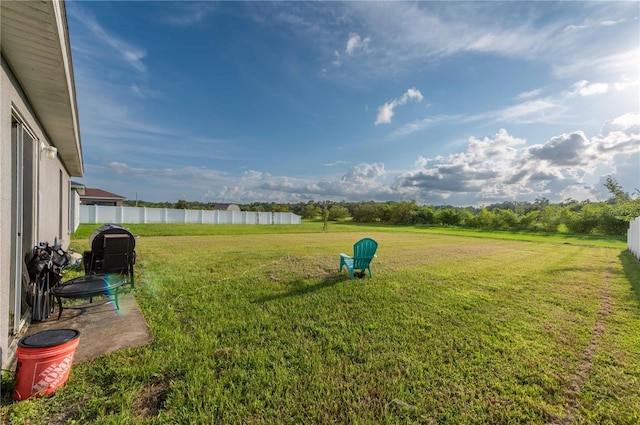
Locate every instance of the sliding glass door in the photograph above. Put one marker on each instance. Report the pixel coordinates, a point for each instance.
(25, 167)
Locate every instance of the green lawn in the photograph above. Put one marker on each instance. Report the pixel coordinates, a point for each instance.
(253, 324)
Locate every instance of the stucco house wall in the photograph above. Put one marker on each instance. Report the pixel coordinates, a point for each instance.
(39, 143)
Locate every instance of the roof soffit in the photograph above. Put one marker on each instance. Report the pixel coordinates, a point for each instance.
(36, 46)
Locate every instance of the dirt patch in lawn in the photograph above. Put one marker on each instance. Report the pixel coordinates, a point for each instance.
(582, 372)
(151, 398)
(311, 267)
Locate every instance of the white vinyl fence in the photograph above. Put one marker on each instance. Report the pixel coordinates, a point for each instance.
(633, 238)
(133, 215)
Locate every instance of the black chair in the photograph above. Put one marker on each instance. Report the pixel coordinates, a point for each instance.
(112, 251)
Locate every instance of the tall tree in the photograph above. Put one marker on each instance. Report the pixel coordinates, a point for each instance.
(615, 189)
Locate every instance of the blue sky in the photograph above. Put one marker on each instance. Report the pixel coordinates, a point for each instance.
(458, 103)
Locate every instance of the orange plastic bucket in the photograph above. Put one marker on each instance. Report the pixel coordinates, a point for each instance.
(44, 361)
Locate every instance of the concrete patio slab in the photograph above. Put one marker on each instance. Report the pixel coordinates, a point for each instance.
(103, 329)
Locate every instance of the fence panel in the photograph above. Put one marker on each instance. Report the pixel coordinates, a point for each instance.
(633, 238)
(174, 216)
(250, 217)
(265, 218)
(130, 215)
(155, 215)
(97, 214)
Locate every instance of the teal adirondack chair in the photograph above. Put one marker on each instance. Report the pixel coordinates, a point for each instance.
(363, 252)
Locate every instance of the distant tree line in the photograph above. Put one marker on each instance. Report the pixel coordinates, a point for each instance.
(610, 217)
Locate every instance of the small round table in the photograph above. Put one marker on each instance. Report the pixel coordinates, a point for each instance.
(87, 287)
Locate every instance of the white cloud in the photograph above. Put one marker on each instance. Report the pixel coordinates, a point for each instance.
(414, 127)
(533, 110)
(564, 150)
(490, 169)
(547, 109)
(386, 111)
(410, 34)
(333, 164)
(359, 183)
(131, 54)
(478, 170)
(422, 34)
(498, 168)
(625, 83)
(189, 13)
(624, 62)
(356, 44)
(543, 110)
(620, 136)
(421, 124)
(529, 94)
(337, 61)
(575, 27)
(509, 41)
(144, 91)
(412, 94)
(609, 23)
(364, 172)
(254, 175)
(119, 167)
(584, 88)
(628, 123)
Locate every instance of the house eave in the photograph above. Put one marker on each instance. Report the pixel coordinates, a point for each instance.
(36, 47)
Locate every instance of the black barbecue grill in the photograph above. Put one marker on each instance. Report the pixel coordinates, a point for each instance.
(112, 251)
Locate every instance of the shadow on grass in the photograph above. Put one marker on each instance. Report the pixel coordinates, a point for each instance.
(6, 389)
(300, 287)
(631, 268)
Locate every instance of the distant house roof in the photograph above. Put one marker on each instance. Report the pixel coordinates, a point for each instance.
(227, 207)
(100, 194)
